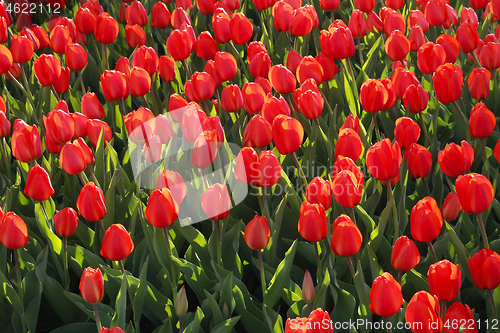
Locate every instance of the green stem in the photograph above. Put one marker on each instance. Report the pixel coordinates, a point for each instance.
(121, 104)
(81, 81)
(105, 55)
(97, 320)
(65, 263)
(394, 210)
(443, 310)
(169, 253)
(94, 178)
(20, 286)
(181, 324)
(464, 120)
(219, 242)
(431, 250)
(318, 262)
(28, 96)
(353, 217)
(400, 277)
(42, 205)
(426, 186)
(360, 52)
(6, 158)
(424, 129)
(266, 208)
(302, 176)
(389, 327)
(493, 304)
(375, 125)
(483, 231)
(351, 266)
(264, 288)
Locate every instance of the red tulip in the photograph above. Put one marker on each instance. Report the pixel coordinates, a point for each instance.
(419, 160)
(417, 38)
(91, 107)
(406, 132)
(338, 42)
(489, 56)
(482, 121)
(328, 65)
(4, 124)
(167, 68)
(374, 23)
(479, 83)
(174, 183)
(85, 20)
(146, 58)
(447, 81)
(92, 285)
(293, 60)
(72, 159)
(191, 123)
(445, 280)
(424, 308)
(351, 122)
(312, 222)
(426, 220)
(357, 24)
(393, 20)
(282, 80)
(26, 144)
(205, 46)
(404, 254)
(456, 160)
(436, 13)
(179, 16)
(274, 107)
(115, 85)
(225, 65)
(62, 84)
(204, 149)
(162, 209)
(94, 129)
(21, 48)
(117, 243)
(76, 57)
(160, 17)
(221, 24)
(459, 317)
(60, 126)
(385, 296)
(365, 6)
(257, 233)
(349, 144)
(260, 65)
(215, 202)
(347, 188)
(140, 124)
(241, 28)
(415, 98)
(135, 36)
(467, 37)
(451, 47)
(383, 159)
(416, 17)
(47, 69)
(258, 132)
(346, 237)
(90, 203)
(106, 29)
(66, 222)
(301, 23)
(376, 95)
(179, 44)
(484, 269)
(402, 79)
(475, 193)
(319, 191)
(140, 82)
(397, 46)
(329, 5)
(287, 134)
(317, 319)
(136, 14)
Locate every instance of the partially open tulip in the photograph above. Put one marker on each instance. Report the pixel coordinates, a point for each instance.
(241, 28)
(484, 269)
(419, 160)
(66, 222)
(92, 285)
(72, 159)
(404, 254)
(90, 203)
(13, 231)
(346, 237)
(316, 319)
(312, 222)
(424, 308)
(385, 296)
(257, 233)
(475, 192)
(215, 202)
(26, 144)
(383, 159)
(94, 129)
(162, 209)
(117, 243)
(445, 279)
(426, 220)
(456, 160)
(467, 37)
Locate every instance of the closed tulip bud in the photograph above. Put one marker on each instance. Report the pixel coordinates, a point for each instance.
(135, 36)
(309, 68)
(482, 121)
(246, 169)
(123, 66)
(167, 68)
(406, 132)
(404, 254)
(341, 43)
(393, 20)
(90, 203)
(417, 17)
(475, 193)
(479, 83)
(445, 280)
(417, 38)
(146, 58)
(92, 285)
(225, 65)
(66, 222)
(312, 222)
(383, 159)
(140, 82)
(13, 231)
(424, 308)
(4, 125)
(308, 293)
(415, 98)
(232, 99)
(241, 28)
(351, 122)
(374, 23)
(181, 303)
(205, 46)
(448, 81)
(60, 126)
(62, 84)
(6, 60)
(253, 97)
(204, 149)
(14, 71)
(76, 57)
(357, 24)
(21, 48)
(376, 96)
(162, 209)
(456, 160)
(179, 44)
(346, 237)
(115, 85)
(347, 188)
(311, 104)
(484, 268)
(26, 144)
(94, 129)
(260, 65)
(38, 185)
(287, 134)
(328, 65)
(91, 107)
(160, 16)
(426, 220)
(257, 233)
(258, 132)
(274, 107)
(72, 159)
(117, 243)
(419, 160)
(319, 191)
(397, 46)
(136, 14)
(451, 207)
(179, 16)
(451, 47)
(460, 313)
(402, 79)
(267, 172)
(385, 296)
(301, 23)
(203, 86)
(47, 69)
(106, 29)
(85, 21)
(221, 24)
(215, 202)
(451, 18)
(293, 60)
(282, 80)
(349, 144)
(436, 13)
(467, 37)
(365, 6)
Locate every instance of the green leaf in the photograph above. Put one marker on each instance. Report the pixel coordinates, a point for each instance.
(216, 312)
(460, 248)
(121, 306)
(76, 328)
(196, 239)
(280, 278)
(226, 326)
(195, 276)
(140, 294)
(194, 326)
(227, 293)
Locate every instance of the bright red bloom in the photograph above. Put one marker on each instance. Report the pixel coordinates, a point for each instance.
(376, 95)
(383, 159)
(424, 308)
(385, 296)
(26, 144)
(467, 37)
(117, 243)
(179, 44)
(419, 160)
(106, 29)
(456, 160)
(484, 269)
(406, 132)
(162, 209)
(115, 85)
(397, 46)
(312, 222)
(445, 280)
(479, 83)
(426, 220)
(451, 207)
(66, 222)
(146, 58)
(482, 121)
(160, 17)
(231, 98)
(348, 144)
(460, 314)
(346, 237)
(205, 46)
(475, 193)
(415, 98)
(167, 68)
(72, 159)
(38, 185)
(47, 69)
(257, 233)
(451, 47)
(92, 285)
(174, 183)
(241, 28)
(258, 132)
(94, 129)
(430, 56)
(282, 80)
(215, 202)
(90, 203)
(287, 134)
(319, 191)
(404, 254)
(311, 104)
(448, 81)
(301, 23)
(347, 188)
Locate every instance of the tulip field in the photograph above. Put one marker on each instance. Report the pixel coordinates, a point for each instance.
(249, 166)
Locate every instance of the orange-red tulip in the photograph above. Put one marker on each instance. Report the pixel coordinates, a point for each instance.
(312, 222)
(426, 220)
(287, 134)
(92, 285)
(26, 144)
(475, 192)
(447, 81)
(346, 237)
(215, 202)
(383, 159)
(385, 296)
(482, 121)
(484, 269)
(456, 160)
(445, 279)
(162, 209)
(90, 203)
(117, 243)
(258, 132)
(66, 222)
(257, 233)
(404, 254)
